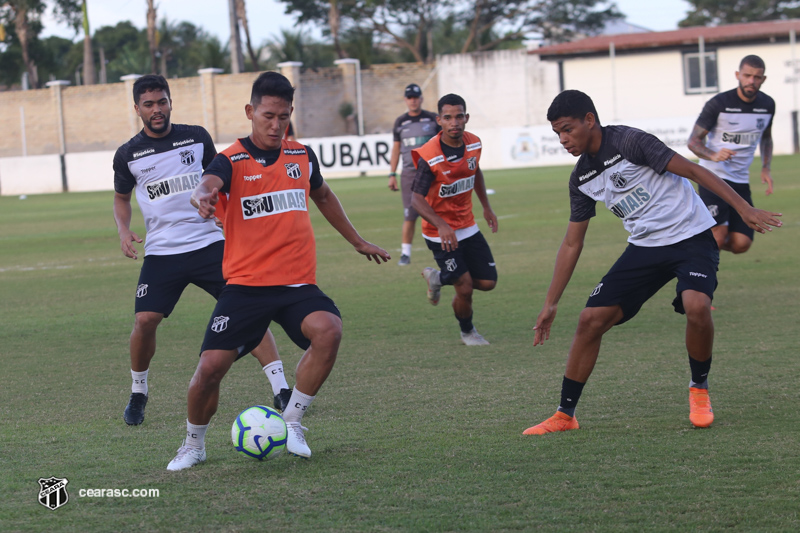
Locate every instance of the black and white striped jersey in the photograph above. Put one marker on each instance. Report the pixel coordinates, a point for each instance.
(737, 125)
(164, 172)
(628, 174)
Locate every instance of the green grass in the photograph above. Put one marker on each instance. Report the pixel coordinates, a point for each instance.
(412, 431)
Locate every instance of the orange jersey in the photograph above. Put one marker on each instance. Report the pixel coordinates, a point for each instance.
(269, 238)
(450, 194)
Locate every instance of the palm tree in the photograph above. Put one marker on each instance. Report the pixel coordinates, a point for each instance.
(88, 57)
(151, 35)
(241, 13)
(20, 9)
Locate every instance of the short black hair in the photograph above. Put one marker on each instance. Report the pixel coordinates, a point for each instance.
(150, 82)
(451, 99)
(753, 61)
(271, 84)
(571, 104)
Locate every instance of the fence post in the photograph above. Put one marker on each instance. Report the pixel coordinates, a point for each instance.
(209, 100)
(291, 69)
(56, 88)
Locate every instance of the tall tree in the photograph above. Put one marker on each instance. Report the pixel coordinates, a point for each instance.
(411, 24)
(152, 39)
(89, 77)
(241, 13)
(26, 15)
(716, 12)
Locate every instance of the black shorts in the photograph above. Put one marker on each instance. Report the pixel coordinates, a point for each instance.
(164, 277)
(472, 255)
(724, 214)
(640, 272)
(406, 181)
(243, 314)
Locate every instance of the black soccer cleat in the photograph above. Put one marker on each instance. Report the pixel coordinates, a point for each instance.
(282, 399)
(134, 412)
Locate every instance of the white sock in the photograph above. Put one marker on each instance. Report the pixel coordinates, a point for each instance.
(196, 435)
(139, 381)
(297, 407)
(277, 379)
(406, 249)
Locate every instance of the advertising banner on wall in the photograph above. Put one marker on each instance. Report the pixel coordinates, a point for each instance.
(538, 146)
(351, 153)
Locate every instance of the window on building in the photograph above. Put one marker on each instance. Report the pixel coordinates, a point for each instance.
(692, 80)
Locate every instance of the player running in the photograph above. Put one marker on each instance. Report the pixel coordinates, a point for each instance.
(163, 163)
(641, 181)
(270, 263)
(448, 169)
(735, 122)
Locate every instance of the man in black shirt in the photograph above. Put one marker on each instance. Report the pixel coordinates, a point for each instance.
(411, 130)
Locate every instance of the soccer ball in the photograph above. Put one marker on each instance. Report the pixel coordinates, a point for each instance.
(259, 432)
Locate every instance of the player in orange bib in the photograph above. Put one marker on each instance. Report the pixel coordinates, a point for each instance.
(269, 263)
(448, 170)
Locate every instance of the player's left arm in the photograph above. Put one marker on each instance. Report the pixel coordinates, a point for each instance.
(331, 208)
(766, 158)
(480, 192)
(757, 219)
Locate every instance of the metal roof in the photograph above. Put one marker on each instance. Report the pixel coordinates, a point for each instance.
(751, 31)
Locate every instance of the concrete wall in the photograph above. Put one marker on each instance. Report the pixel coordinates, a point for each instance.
(40, 135)
(504, 88)
(101, 117)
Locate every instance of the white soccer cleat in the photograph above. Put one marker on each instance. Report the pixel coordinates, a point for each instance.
(187, 457)
(296, 440)
(431, 276)
(473, 338)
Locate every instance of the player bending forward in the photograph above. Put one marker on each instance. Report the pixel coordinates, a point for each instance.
(640, 180)
(269, 263)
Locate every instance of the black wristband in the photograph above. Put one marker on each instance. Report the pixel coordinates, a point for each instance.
(392, 174)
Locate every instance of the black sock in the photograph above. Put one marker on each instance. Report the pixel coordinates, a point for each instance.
(570, 394)
(700, 371)
(465, 323)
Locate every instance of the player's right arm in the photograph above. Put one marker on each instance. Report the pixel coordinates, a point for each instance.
(393, 162)
(206, 195)
(122, 216)
(567, 257)
(697, 144)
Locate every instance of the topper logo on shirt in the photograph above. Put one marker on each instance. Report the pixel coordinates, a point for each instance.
(273, 203)
(293, 170)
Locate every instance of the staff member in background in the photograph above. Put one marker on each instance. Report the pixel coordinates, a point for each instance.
(411, 130)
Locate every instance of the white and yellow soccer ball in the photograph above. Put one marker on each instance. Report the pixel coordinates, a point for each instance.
(259, 432)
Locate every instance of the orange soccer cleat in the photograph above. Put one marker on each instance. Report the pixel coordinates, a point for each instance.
(700, 413)
(557, 422)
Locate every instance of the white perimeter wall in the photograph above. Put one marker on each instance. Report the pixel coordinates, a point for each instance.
(504, 88)
(507, 95)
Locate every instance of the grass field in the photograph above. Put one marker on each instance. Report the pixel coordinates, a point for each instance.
(413, 431)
